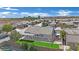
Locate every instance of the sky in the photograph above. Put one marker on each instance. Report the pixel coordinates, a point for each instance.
(19, 12)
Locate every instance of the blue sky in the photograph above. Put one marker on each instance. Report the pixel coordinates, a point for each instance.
(17, 12)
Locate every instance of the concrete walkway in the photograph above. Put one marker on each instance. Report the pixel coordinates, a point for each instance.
(64, 47)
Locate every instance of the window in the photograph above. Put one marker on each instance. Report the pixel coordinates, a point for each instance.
(36, 35)
(27, 32)
(41, 35)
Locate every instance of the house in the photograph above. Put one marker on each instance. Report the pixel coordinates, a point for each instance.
(68, 23)
(76, 23)
(52, 23)
(40, 25)
(72, 35)
(72, 38)
(37, 33)
(22, 24)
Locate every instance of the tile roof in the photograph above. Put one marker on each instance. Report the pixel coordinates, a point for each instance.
(40, 30)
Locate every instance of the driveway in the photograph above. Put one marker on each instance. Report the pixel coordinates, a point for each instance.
(4, 39)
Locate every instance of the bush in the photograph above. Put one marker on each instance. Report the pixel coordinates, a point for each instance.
(7, 28)
(15, 35)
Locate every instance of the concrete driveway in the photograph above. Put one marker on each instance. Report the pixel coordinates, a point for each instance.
(4, 39)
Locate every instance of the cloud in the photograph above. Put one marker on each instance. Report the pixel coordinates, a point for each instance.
(8, 8)
(14, 13)
(24, 13)
(5, 13)
(64, 13)
(40, 14)
(21, 14)
(3, 16)
(34, 14)
(77, 12)
(8, 14)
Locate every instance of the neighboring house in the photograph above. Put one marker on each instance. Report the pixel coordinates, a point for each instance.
(72, 35)
(22, 24)
(76, 23)
(39, 34)
(72, 38)
(52, 23)
(40, 25)
(68, 23)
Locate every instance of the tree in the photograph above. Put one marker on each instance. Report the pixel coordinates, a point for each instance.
(15, 35)
(44, 24)
(63, 36)
(26, 44)
(7, 28)
(39, 17)
(78, 47)
(0, 31)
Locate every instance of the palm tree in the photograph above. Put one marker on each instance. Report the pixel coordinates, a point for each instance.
(77, 46)
(63, 36)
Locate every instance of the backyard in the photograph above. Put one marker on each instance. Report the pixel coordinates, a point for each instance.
(39, 44)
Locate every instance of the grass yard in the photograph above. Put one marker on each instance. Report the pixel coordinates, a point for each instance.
(39, 44)
(46, 44)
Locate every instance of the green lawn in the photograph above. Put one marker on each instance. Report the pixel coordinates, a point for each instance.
(46, 44)
(40, 44)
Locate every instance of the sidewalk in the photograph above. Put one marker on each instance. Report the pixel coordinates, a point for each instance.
(64, 47)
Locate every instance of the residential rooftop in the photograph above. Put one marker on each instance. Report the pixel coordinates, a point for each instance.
(40, 30)
(73, 31)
